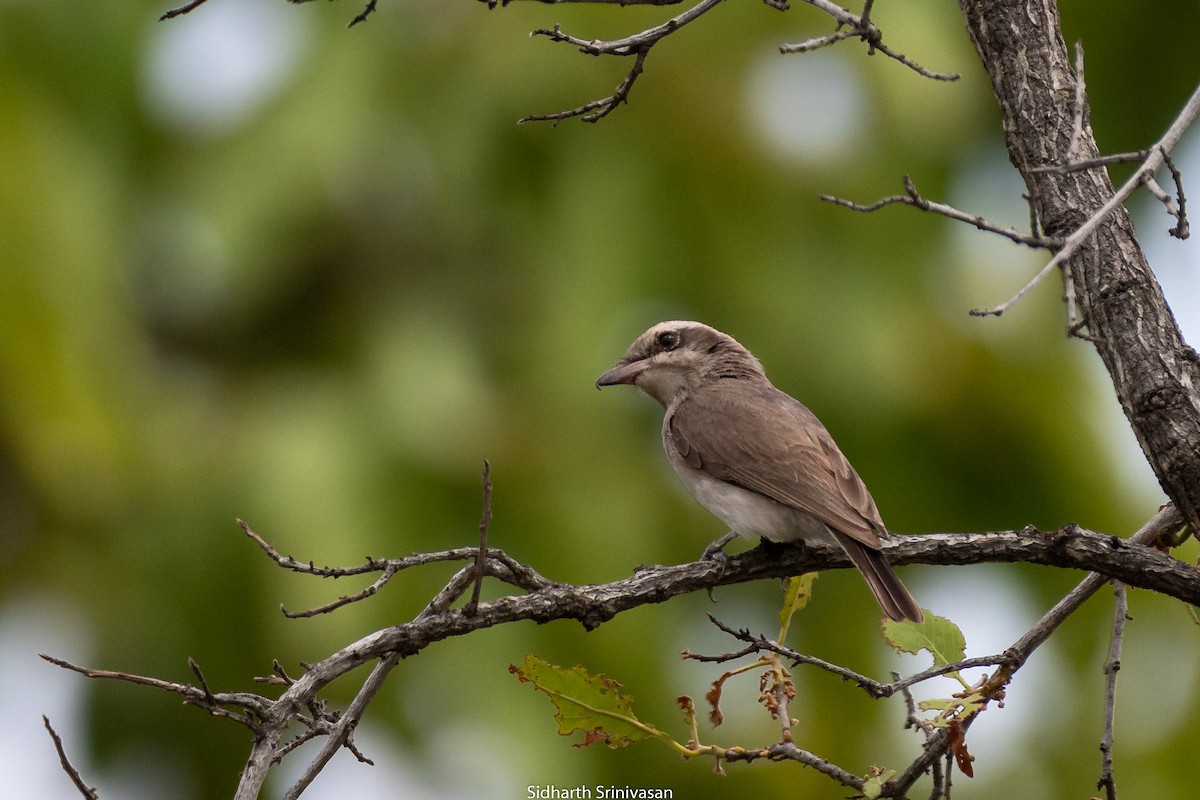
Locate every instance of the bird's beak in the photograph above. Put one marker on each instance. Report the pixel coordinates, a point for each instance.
(625, 372)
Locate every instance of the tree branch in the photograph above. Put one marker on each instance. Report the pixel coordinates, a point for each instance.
(1155, 374)
(87, 791)
(1143, 176)
(592, 605)
(912, 198)
(939, 742)
(858, 26)
(1112, 665)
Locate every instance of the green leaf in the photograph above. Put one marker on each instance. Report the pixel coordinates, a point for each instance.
(873, 786)
(799, 592)
(585, 702)
(952, 709)
(936, 635)
(938, 704)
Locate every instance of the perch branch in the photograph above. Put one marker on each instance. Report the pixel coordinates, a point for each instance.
(1165, 521)
(1009, 662)
(592, 605)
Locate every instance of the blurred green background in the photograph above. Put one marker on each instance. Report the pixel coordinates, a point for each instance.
(255, 265)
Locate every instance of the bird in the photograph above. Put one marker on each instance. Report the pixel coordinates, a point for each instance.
(754, 456)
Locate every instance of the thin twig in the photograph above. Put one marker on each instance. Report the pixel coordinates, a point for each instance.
(858, 26)
(1155, 159)
(788, 751)
(87, 791)
(362, 15)
(388, 573)
(849, 26)
(254, 706)
(1092, 163)
(912, 198)
(341, 733)
(1182, 229)
(500, 565)
(1112, 665)
(631, 45)
(288, 562)
(484, 522)
(876, 689)
(209, 698)
(1168, 518)
(183, 9)
(503, 3)
(597, 110)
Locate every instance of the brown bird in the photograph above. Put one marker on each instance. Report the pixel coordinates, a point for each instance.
(754, 456)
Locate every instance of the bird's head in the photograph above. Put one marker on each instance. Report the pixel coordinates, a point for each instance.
(677, 356)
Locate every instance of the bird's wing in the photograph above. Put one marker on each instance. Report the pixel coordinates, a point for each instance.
(779, 449)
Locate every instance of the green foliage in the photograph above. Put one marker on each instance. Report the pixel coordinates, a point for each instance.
(944, 641)
(935, 635)
(873, 786)
(797, 592)
(587, 703)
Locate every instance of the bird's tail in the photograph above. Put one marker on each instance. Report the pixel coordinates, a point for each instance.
(892, 595)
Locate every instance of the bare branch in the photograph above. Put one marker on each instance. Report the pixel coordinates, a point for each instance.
(1157, 156)
(912, 198)
(367, 11)
(631, 45)
(1182, 229)
(254, 706)
(183, 9)
(1111, 666)
(1167, 519)
(637, 45)
(597, 110)
(788, 751)
(1090, 163)
(592, 605)
(500, 565)
(852, 26)
(938, 743)
(876, 689)
(388, 573)
(502, 3)
(343, 730)
(85, 790)
(484, 522)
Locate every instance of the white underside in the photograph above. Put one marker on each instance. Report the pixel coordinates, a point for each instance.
(748, 513)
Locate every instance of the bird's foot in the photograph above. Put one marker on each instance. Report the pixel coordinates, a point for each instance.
(716, 550)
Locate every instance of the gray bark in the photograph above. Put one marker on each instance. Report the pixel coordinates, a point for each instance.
(1154, 372)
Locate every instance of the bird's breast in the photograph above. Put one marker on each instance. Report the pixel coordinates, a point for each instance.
(744, 511)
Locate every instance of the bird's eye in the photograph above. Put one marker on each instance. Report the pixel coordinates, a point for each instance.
(668, 340)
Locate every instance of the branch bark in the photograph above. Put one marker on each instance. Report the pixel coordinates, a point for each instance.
(1154, 372)
(1107, 556)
